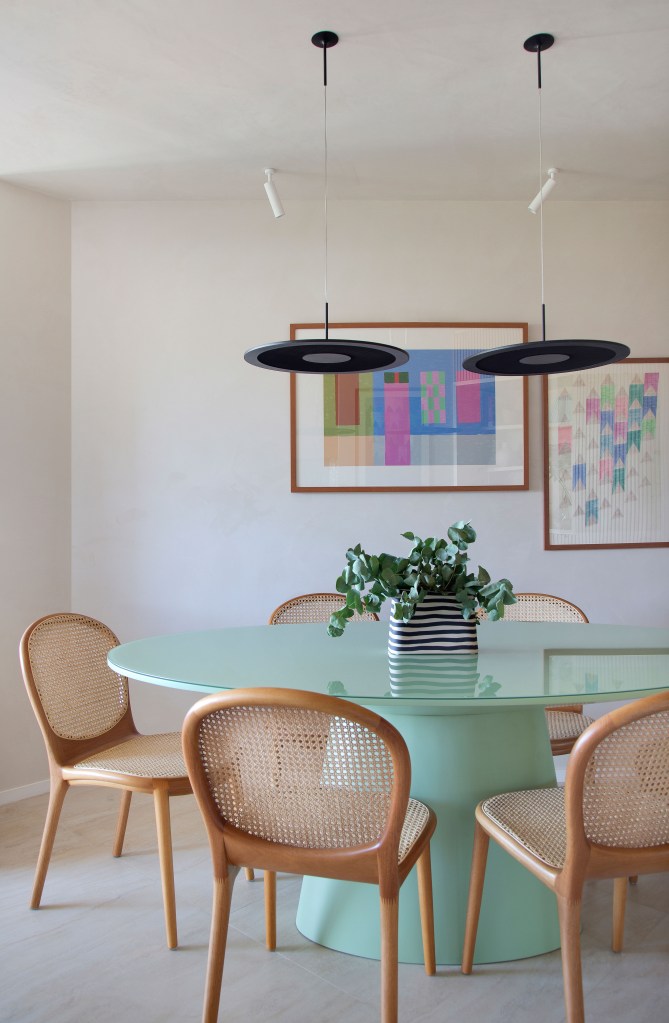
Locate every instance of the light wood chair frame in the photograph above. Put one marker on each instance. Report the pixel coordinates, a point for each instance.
(376, 863)
(312, 601)
(584, 859)
(64, 753)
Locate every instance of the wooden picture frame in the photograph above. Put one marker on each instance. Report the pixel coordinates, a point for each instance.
(606, 436)
(428, 425)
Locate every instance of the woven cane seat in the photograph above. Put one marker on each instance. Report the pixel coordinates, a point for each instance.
(415, 823)
(313, 607)
(566, 726)
(535, 819)
(143, 756)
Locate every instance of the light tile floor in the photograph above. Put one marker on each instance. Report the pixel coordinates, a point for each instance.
(96, 949)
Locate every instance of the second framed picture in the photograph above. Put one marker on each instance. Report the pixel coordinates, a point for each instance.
(606, 441)
(429, 425)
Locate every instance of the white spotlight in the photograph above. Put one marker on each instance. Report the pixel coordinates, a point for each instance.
(542, 195)
(272, 194)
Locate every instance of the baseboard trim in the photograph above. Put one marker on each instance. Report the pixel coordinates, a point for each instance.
(38, 788)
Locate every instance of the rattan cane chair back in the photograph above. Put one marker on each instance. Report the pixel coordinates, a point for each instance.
(567, 721)
(626, 786)
(543, 607)
(83, 709)
(297, 776)
(309, 784)
(313, 607)
(610, 820)
(74, 693)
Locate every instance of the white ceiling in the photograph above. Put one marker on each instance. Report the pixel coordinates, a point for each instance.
(191, 99)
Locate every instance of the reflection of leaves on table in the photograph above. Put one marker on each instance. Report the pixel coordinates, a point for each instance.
(336, 688)
(487, 687)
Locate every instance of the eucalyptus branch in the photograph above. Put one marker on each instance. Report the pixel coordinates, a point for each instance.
(432, 566)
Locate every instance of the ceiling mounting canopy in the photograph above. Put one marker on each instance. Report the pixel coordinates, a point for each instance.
(326, 354)
(542, 357)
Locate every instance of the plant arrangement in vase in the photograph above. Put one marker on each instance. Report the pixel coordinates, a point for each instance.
(433, 578)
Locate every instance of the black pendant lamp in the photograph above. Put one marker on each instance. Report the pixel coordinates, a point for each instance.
(326, 354)
(541, 357)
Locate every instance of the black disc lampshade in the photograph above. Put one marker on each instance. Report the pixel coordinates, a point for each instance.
(541, 357)
(333, 355)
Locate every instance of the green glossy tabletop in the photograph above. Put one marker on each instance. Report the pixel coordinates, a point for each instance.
(474, 726)
(517, 663)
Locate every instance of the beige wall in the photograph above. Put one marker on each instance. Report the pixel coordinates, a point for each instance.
(181, 511)
(182, 514)
(35, 432)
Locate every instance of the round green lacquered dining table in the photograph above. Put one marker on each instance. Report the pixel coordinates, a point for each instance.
(475, 726)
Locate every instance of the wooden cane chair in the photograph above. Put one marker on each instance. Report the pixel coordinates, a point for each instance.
(310, 784)
(567, 721)
(610, 819)
(313, 607)
(83, 710)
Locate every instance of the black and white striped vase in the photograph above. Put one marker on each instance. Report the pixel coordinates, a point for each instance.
(437, 627)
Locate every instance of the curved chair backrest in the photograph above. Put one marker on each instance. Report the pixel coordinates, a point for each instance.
(312, 774)
(77, 698)
(313, 607)
(617, 782)
(542, 607)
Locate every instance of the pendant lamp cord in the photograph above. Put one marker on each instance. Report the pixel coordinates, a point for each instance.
(325, 176)
(541, 205)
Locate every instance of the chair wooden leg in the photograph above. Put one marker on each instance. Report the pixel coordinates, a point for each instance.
(123, 811)
(634, 879)
(389, 937)
(162, 806)
(424, 871)
(569, 914)
(57, 794)
(220, 916)
(250, 873)
(619, 903)
(476, 879)
(270, 909)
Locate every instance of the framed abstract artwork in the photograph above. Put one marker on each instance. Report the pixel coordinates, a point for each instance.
(429, 425)
(606, 456)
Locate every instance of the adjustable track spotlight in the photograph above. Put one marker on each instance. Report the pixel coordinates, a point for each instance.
(272, 194)
(541, 357)
(544, 191)
(324, 354)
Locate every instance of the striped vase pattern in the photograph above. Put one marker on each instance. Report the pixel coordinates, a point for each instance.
(437, 627)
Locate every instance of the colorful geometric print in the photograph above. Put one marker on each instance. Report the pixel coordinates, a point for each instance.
(606, 444)
(433, 413)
